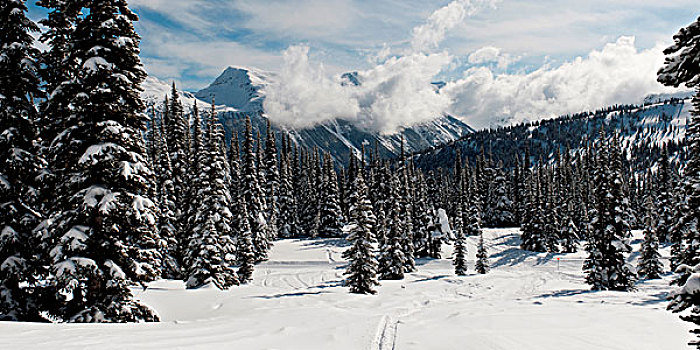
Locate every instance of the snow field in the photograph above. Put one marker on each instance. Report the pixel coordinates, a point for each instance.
(297, 301)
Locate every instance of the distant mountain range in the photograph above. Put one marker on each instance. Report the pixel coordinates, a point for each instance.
(239, 93)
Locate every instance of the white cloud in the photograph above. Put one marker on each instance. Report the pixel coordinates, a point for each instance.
(490, 54)
(398, 92)
(391, 95)
(432, 33)
(304, 95)
(617, 74)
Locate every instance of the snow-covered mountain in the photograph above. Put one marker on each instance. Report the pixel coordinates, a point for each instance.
(238, 88)
(239, 93)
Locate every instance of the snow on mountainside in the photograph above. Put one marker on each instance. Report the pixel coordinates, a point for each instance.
(238, 88)
(155, 90)
(643, 131)
(240, 93)
(297, 300)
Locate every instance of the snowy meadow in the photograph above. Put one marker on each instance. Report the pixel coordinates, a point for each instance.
(297, 301)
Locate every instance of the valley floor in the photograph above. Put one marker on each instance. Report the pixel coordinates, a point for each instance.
(297, 301)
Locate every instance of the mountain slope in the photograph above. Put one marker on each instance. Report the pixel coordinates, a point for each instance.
(239, 93)
(644, 131)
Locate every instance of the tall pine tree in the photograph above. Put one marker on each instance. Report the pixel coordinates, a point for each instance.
(683, 67)
(362, 268)
(20, 165)
(253, 196)
(102, 231)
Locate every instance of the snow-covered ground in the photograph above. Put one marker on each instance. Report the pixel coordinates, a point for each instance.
(297, 302)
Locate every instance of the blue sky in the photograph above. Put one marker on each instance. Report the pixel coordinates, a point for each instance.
(504, 60)
(193, 40)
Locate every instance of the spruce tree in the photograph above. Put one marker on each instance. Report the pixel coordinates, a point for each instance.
(682, 68)
(197, 181)
(569, 234)
(234, 159)
(362, 268)
(20, 165)
(288, 223)
(167, 205)
(423, 218)
(533, 237)
(550, 215)
(272, 182)
(649, 265)
(664, 198)
(178, 140)
(678, 229)
(245, 250)
(392, 259)
(253, 196)
(58, 67)
(406, 216)
(482, 257)
(211, 248)
(330, 213)
(460, 252)
(102, 231)
(605, 267)
(501, 213)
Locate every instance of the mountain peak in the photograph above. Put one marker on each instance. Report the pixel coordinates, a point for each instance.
(239, 88)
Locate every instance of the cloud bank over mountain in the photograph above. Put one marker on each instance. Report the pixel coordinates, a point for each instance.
(619, 73)
(397, 91)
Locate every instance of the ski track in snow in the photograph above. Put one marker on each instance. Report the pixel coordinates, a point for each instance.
(386, 334)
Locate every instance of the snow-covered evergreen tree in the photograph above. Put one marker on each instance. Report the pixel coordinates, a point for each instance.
(234, 159)
(102, 230)
(330, 214)
(533, 236)
(569, 234)
(20, 165)
(682, 68)
(482, 256)
(362, 268)
(288, 223)
(649, 265)
(550, 215)
(211, 250)
(678, 229)
(605, 267)
(245, 249)
(178, 139)
(272, 182)
(167, 204)
(664, 198)
(253, 196)
(392, 259)
(422, 217)
(58, 67)
(501, 213)
(460, 253)
(406, 216)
